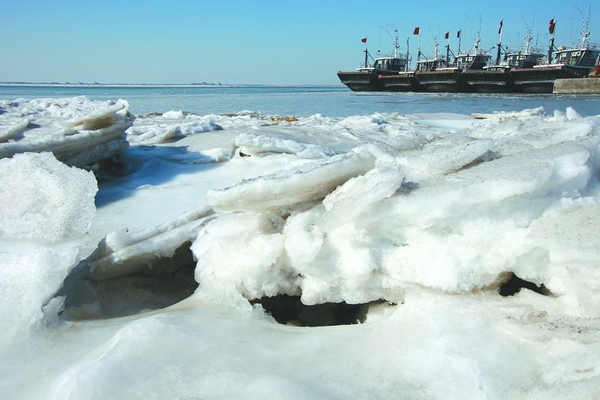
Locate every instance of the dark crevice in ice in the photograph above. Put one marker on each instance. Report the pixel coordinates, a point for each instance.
(513, 285)
(110, 168)
(161, 283)
(289, 310)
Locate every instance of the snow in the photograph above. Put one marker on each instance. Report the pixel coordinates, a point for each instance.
(420, 219)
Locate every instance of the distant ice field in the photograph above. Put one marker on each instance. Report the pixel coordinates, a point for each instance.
(332, 101)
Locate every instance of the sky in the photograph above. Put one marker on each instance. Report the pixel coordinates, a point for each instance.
(255, 41)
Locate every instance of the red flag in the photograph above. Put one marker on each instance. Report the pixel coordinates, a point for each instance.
(458, 34)
(416, 32)
(364, 40)
(552, 25)
(447, 35)
(500, 30)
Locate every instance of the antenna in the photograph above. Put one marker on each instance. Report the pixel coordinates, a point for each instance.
(396, 45)
(586, 26)
(528, 38)
(395, 39)
(471, 24)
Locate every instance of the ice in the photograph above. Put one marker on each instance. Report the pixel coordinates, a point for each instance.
(253, 144)
(169, 126)
(12, 130)
(78, 131)
(31, 275)
(42, 199)
(468, 243)
(305, 183)
(46, 209)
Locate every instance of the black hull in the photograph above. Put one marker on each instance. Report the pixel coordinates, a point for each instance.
(541, 80)
(489, 81)
(400, 83)
(524, 80)
(360, 81)
(441, 81)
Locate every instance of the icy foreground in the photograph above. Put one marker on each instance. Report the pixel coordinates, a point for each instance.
(422, 220)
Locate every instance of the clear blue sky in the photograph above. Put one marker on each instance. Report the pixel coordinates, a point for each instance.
(253, 41)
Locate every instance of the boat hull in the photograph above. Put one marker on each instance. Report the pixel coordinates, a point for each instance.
(442, 81)
(360, 81)
(517, 80)
(541, 80)
(488, 81)
(400, 83)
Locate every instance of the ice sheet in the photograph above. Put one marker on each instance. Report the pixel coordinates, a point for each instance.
(421, 219)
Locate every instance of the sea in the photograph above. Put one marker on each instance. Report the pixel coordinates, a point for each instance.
(331, 101)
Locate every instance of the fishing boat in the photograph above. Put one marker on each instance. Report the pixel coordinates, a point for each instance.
(570, 63)
(567, 63)
(438, 75)
(524, 71)
(492, 78)
(366, 77)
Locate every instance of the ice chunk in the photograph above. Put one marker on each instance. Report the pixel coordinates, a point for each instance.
(8, 133)
(253, 144)
(510, 114)
(97, 120)
(444, 156)
(170, 126)
(308, 182)
(31, 275)
(88, 131)
(243, 252)
(357, 195)
(43, 199)
(121, 253)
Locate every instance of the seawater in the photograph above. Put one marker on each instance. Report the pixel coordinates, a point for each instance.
(333, 101)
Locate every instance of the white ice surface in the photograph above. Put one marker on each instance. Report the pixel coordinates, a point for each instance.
(428, 212)
(78, 131)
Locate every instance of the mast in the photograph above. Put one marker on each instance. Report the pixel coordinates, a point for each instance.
(396, 46)
(529, 38)
(407, 54)
(551, 47)
(417, 32)
(448, 49)
(499, 43)
(586, 29)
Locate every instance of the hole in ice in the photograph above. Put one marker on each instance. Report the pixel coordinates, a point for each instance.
(161, 283)
(289, 310)
(110, 168)
(513, 285)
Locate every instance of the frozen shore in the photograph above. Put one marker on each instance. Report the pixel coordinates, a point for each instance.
(419, 256)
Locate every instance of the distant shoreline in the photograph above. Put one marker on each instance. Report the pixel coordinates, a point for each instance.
(199, 85)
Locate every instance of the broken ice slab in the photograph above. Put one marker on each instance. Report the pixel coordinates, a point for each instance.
(80, 132)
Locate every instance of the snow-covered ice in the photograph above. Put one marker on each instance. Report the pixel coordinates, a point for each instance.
(464, 248)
